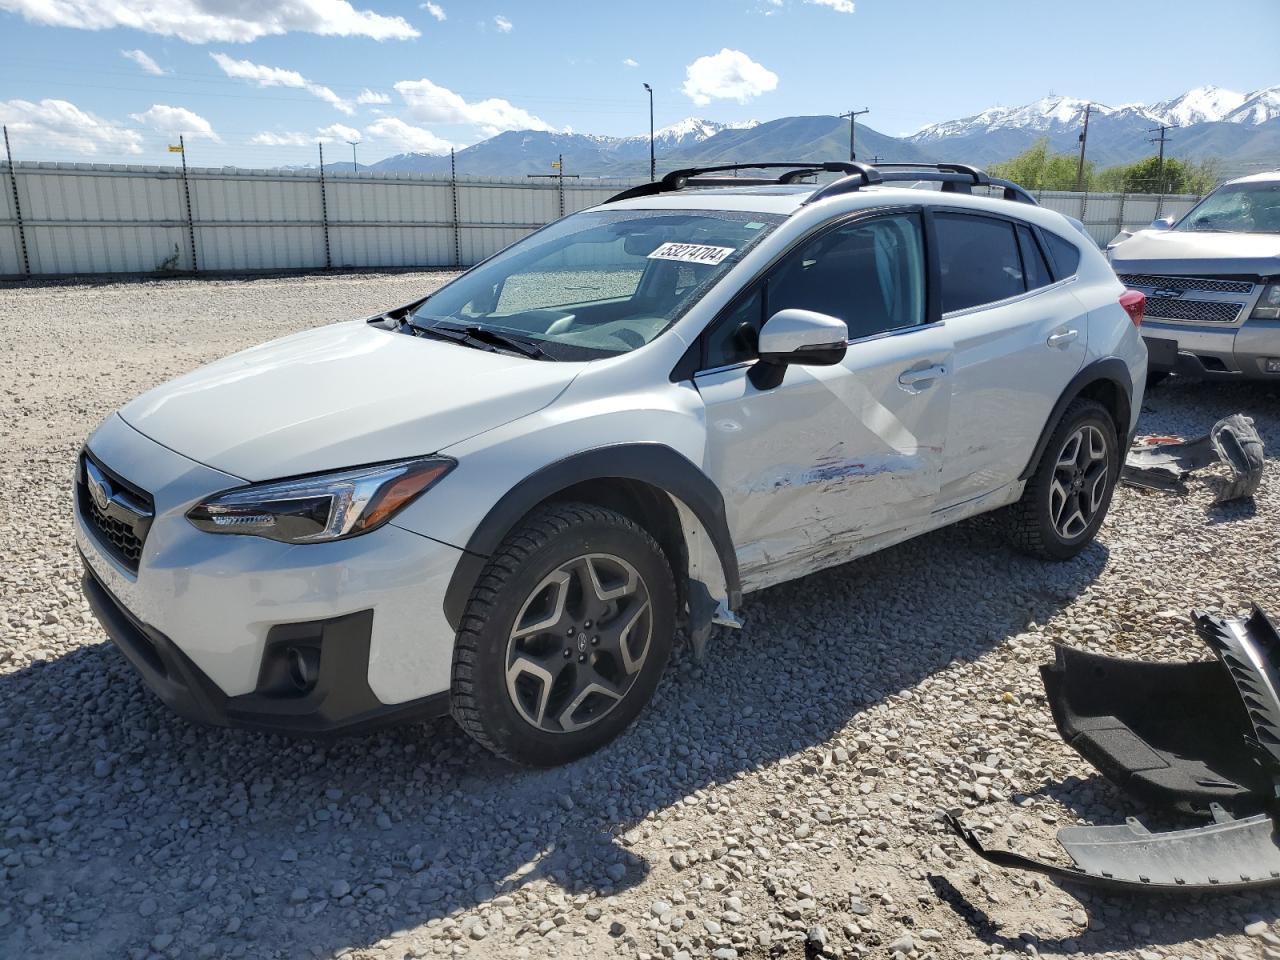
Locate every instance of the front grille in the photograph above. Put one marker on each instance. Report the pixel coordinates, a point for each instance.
(1186, 283)
(1208, 311)
(119, 515)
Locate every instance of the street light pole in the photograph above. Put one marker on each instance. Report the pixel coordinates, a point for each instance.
(353, 153)
(853, 123)
(653, 163)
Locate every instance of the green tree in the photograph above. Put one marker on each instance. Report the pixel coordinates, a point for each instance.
(1038, 168)
(1147, 176)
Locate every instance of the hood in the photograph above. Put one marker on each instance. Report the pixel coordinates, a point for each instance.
(340, 396)
(1176, 252)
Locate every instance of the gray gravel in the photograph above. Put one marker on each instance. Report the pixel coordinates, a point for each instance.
(782, 798)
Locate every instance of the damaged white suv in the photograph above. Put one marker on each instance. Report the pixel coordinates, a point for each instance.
(503, 500)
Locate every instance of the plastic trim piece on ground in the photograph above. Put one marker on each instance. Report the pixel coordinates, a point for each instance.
(1163, 463)
(1199, 738)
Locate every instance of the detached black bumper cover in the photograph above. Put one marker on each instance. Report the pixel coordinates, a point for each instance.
(1163, 463)
(1201, 738)
(338, 701)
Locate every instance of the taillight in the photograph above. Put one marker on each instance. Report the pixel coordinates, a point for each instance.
(1135, 305)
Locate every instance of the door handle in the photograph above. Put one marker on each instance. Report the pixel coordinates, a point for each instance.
(1063, 338)
(912, 378)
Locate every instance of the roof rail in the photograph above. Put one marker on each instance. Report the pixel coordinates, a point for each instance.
(680, 179)
(954, 177)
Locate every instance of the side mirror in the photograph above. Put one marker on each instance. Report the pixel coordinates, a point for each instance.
(1164, 223)
(797, 336)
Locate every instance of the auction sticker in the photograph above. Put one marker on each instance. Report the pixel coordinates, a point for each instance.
(691, 253)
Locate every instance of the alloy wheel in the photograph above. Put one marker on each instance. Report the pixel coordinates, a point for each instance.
(579, 643)
(1079, 486)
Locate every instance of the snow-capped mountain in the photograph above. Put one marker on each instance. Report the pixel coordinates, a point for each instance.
(688, 131)
(1201, 105)
(1051, 114)
(1258, 107)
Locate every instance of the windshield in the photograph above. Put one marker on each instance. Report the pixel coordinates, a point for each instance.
(1237, 208)
(598, 283)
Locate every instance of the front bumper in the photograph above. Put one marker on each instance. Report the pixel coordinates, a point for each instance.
(340, 701)
(1211, 352)
(214, 605)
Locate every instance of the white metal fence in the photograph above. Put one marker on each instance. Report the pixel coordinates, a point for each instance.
(108, 218)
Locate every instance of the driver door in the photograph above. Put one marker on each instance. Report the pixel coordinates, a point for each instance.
(816, 470)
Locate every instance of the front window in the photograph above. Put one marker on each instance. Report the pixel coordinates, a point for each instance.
(1236, 208)
(598, 283)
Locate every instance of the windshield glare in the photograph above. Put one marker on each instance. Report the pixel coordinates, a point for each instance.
(1237, 208)
(599, 283)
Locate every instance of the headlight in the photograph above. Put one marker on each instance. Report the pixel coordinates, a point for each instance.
(329, 506)
(1268, 305)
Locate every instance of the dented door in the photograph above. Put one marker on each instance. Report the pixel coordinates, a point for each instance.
(833, 456)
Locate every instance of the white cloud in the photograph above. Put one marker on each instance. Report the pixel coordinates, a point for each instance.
(435, 10)
(204, 21)
(268, 139)
(172, 121)
(839, 6)
(145, 62)
(502, 23)
(65, 127)
(405, 136)
(434, 104)
(629, 63)
(265, 76)
(372, 96)
(727, 75)
(336, 131)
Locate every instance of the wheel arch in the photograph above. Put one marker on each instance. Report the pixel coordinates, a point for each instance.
(650, 483)
(1108, 382)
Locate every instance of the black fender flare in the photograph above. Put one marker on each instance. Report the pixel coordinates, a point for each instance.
(652, 463)
(1108, 369)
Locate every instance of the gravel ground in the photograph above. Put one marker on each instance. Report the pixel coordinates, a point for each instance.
(786, 790)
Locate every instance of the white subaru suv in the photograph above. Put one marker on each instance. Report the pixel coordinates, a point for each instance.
(505, 499)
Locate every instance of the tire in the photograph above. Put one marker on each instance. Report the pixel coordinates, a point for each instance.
(564, 637)
(1049, 525)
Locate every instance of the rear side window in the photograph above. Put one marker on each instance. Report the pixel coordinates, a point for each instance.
(1034, 267)
(1066, 257)
(978, 259)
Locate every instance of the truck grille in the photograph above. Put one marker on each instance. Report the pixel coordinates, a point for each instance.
(1186, 283)
(1205, 311)
(118, 513)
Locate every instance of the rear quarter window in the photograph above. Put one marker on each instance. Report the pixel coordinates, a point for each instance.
(1064, 253)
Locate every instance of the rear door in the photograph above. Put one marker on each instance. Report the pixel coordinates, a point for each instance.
(834, 455)
(1019, 338)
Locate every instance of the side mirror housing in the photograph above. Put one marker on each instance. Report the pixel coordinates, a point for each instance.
(1164, 223)
(797, 336)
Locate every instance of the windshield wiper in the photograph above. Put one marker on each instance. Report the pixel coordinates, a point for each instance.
(498, 339)
(479, 338)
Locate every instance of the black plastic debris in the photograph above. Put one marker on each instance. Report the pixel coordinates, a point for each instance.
(1163, 463)
(1200, 738)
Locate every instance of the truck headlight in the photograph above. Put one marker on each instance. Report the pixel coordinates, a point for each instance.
(323, 507)
(1268, 305)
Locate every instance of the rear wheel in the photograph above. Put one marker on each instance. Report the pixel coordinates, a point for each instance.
(1066, 499)
(565, 635)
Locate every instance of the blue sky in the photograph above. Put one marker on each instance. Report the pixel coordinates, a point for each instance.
(257, 82)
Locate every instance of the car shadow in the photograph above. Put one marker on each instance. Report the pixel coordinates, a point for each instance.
(230, 840)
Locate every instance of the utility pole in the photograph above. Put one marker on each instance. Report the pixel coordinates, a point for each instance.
(1084, 138)
(354, 144)
(559, 175)
(653, 163)
(1160, 163)
(853, 123)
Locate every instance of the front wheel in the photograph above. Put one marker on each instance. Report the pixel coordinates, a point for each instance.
(1066, 499)
(565, 636)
